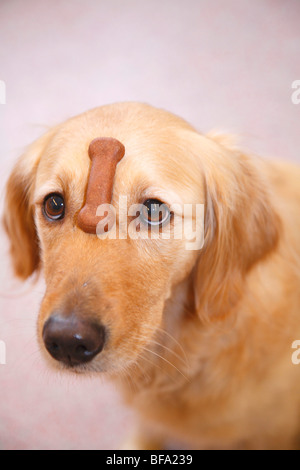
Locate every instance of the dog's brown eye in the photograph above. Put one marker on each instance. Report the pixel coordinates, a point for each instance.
(54, 207)
(155, 212)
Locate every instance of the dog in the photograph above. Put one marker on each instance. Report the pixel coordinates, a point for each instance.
(199, 340)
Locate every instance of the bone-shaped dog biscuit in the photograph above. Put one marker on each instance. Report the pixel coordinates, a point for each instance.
(105, 153)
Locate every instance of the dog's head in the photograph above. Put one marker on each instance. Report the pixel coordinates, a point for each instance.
(106, 293)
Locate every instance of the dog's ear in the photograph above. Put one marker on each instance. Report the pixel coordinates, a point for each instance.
(18, 217)
(241, 224)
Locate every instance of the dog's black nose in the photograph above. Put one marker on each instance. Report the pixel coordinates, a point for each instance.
(72, 340)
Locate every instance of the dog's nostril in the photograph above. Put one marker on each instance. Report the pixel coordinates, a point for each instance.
(54, 347)
(72, 340)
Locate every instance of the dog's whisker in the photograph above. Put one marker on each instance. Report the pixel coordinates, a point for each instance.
(166, 360)
(143, 358)
(125, 376)
(140, 363)
(153, 363)
(160, 345)
(183, 359)
(160, 330)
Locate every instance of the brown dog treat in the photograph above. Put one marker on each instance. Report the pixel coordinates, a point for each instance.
(105, 153)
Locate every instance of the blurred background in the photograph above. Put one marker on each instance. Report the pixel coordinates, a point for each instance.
(225, 64)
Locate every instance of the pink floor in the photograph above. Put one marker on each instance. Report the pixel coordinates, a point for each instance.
(226, 64)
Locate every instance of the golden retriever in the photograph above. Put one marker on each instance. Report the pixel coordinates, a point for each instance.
(199, 339)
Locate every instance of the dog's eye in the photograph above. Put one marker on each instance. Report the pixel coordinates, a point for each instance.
(155, 212)
(54, 207)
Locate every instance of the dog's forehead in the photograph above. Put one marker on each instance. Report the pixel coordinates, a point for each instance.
(152, 155)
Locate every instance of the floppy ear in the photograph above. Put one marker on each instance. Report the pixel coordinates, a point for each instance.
(18, 218)
(241, 224)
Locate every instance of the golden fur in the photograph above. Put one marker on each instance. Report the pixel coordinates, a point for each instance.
(200, 341)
